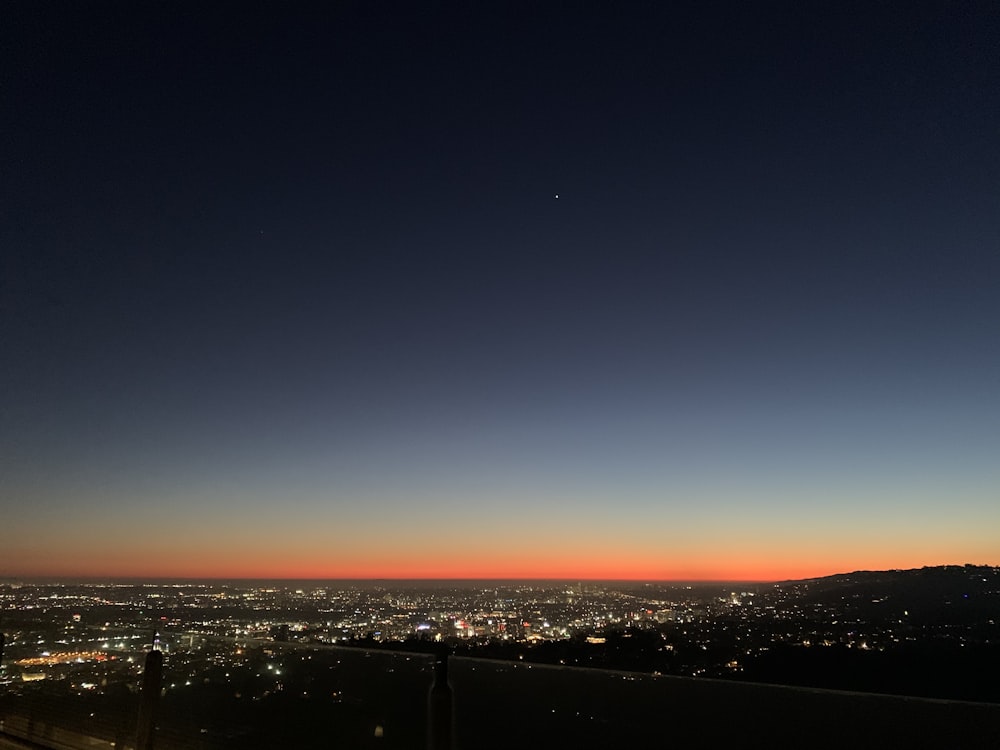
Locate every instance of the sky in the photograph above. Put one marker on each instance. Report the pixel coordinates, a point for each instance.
(672, 291)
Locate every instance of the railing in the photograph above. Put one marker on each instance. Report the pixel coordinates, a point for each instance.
(329, 697)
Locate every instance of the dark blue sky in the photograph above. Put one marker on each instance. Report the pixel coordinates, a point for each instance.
(312, 260)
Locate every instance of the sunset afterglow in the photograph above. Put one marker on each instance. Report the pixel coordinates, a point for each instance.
(529, 293)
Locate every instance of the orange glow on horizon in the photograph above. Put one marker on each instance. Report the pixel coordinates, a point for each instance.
(722, 570)
(320, 552)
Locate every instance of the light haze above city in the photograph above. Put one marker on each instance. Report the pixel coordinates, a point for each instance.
(500, 290)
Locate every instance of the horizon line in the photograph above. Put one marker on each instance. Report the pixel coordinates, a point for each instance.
(379, 579)
(52, 578)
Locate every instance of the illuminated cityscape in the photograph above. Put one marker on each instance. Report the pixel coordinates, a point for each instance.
(928, 632)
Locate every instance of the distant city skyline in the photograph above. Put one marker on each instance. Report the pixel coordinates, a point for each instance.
(288, 293)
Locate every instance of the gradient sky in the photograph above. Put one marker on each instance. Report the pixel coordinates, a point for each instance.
(289, 292)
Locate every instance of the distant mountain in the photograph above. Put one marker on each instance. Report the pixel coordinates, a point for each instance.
(934, 595)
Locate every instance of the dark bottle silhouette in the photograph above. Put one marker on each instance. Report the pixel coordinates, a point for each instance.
(440, 705)
(152, 679)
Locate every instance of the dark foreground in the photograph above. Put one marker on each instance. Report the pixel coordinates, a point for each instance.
(342, 698)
